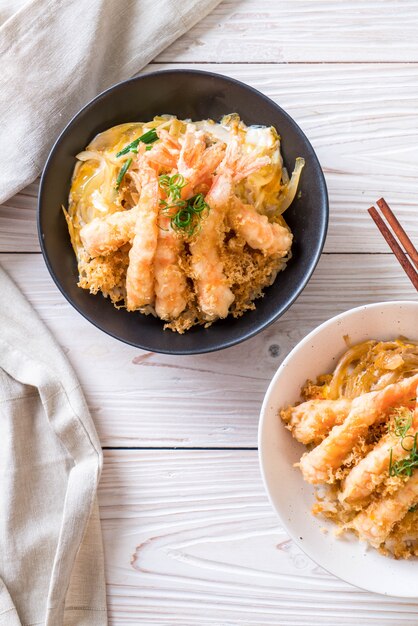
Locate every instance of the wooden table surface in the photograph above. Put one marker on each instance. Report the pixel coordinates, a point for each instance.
(189, 535)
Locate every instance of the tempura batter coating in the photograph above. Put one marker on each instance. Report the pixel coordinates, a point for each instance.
(140, 290)
(376, 522)
(104, 235)
(257, 231)
(213, 293)
(170, 279)
(311, 421)
(365, 411)
(373, 468)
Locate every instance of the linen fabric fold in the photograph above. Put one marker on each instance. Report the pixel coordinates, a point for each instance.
(55, 55)
(51, 554)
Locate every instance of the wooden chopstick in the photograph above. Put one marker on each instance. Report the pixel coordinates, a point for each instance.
(399, 231)
(393, 244)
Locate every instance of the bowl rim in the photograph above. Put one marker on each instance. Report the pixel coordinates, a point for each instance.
(303, 546)
(225, 343)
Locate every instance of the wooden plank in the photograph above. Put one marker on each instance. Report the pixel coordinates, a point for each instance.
(146, 399)
(190, 538)
(302, 31)
(365, 136)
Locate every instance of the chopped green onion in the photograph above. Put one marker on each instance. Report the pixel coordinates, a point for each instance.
(182, 218)
(172, 185)
(198, 203)
(184, 215)
(148, 137)
(132, 147)
(122, 173)
(168, 207)
(403, 422)
(405, 466)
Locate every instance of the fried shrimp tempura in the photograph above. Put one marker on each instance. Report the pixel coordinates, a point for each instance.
(365, 411)
(180, 216)
(363, 443)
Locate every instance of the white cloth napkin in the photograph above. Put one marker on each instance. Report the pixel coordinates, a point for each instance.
(51, 555)
(55, 55)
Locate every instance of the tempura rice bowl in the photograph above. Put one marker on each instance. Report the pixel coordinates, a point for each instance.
(291, 497)
(188, 94)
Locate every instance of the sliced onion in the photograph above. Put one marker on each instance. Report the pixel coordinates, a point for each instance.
(289, 193)
(89, 155)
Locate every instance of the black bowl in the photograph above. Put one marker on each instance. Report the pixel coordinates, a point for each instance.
(195, 95)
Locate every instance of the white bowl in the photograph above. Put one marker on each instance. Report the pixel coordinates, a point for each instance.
(289, 494)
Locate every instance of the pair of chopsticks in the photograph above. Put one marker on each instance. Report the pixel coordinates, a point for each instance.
(404, 240)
